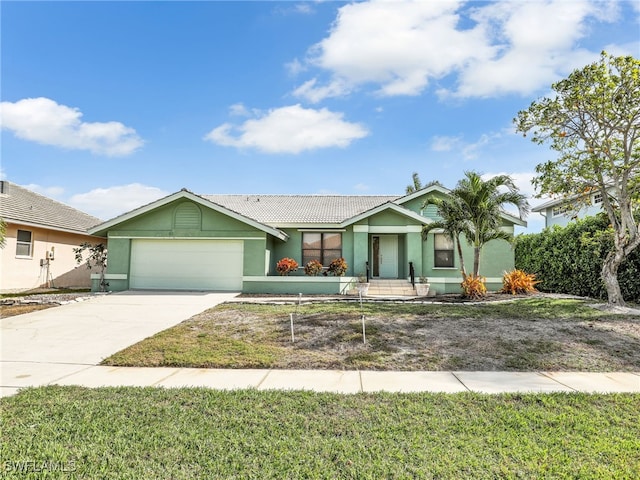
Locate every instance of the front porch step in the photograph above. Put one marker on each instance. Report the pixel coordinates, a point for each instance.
(391, 288)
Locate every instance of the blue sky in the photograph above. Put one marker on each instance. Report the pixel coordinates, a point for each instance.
(110, 105)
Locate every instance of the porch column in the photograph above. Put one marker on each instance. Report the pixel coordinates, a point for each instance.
(413, 248)
(360, 249)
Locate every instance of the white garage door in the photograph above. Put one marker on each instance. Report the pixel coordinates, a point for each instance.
(186, 264)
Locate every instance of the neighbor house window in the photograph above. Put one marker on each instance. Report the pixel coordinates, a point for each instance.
(443, 250)
(560, 210)
(323, 247)
(23, 244)
(597, 198)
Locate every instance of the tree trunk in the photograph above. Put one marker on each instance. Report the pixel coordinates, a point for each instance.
(610, 278)
(476, 261)
(462, 269)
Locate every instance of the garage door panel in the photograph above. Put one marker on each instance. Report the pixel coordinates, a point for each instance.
(186, 264)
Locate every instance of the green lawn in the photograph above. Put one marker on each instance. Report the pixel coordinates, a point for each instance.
(198, 433)
(531, 334)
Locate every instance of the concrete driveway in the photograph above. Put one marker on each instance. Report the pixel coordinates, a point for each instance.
(42, 346)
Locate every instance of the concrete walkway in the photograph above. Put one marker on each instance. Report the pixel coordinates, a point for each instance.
(24, 374)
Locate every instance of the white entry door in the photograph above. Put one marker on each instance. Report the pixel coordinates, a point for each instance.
(387, 256)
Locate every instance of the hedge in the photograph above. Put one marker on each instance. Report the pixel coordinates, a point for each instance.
(569, 259)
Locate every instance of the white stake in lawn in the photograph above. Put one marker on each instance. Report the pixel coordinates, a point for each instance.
(293, 339)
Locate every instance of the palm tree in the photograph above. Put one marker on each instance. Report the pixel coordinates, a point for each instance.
(452, 222)
(482, 203)
(417, 184)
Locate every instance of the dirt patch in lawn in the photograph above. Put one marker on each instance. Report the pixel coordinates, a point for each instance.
(19, 309)
(534, 334)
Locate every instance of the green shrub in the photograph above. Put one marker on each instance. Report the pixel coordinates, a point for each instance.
(569, 259)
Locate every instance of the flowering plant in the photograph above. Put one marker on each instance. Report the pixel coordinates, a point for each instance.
(338, 267)
(286, 265)
(313, 268)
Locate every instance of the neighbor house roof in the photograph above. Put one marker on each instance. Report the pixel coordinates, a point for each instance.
(22, 206)
(295, 209)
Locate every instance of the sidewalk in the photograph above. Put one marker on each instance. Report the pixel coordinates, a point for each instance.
(25, 374)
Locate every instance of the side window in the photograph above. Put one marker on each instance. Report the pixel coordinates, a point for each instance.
(443, 251)
(23, 244)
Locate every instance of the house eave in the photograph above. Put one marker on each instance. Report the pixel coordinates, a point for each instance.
(49, 227)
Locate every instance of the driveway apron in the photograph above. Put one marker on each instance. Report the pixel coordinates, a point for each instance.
(84, 333)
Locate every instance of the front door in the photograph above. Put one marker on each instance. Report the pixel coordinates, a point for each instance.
(385, 256)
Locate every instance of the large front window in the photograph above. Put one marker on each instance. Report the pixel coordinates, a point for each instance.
(323, 247)
(443, 251)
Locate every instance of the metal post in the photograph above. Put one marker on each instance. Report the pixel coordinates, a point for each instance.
(364, 334)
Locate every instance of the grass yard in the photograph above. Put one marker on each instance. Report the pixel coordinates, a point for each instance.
(538, 333)
(198, 433)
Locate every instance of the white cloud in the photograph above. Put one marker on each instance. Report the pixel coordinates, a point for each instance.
(361, 187)
(521, 179)
(295, 67)
(106, 203)
(398, 45)
(444, 143)
(523, 182)
(506, 47)
(238, 110)
(470, 151)
(304, 8)
(42, 120)
(51, 192)
(290, 129)
(314, 94)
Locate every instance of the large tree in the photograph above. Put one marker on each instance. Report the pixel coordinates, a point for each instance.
(592, 120)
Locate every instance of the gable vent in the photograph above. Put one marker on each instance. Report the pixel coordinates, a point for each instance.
(430, 212)
(187, 217)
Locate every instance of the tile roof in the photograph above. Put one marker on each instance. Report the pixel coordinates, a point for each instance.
(277, 210)
(24, 206)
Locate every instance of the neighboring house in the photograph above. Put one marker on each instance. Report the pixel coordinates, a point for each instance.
(40, 238)
(562, 211)
(233, 242)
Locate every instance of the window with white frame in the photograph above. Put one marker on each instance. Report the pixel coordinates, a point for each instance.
(23, 243)
(443, 251)
(560, 210)
(597, 198)
(323, 247)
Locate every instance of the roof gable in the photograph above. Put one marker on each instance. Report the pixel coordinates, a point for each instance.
(104, 227)
(389, 206)
(20, 205)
